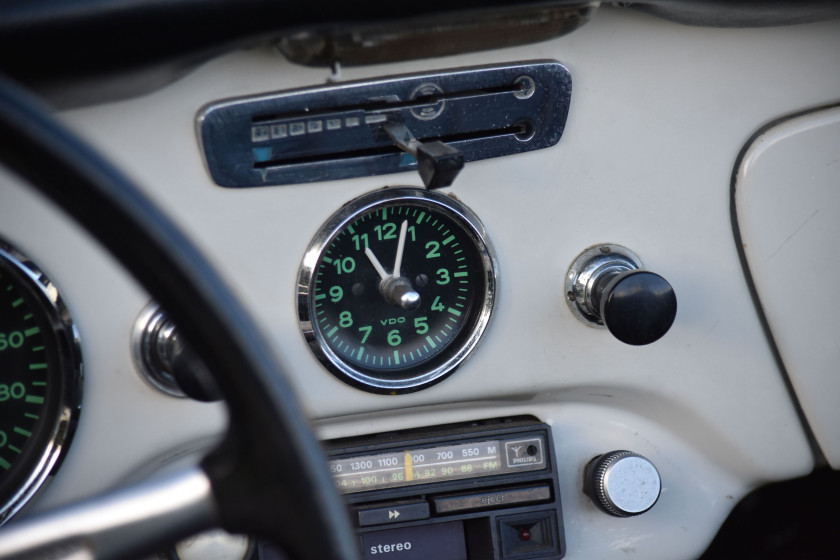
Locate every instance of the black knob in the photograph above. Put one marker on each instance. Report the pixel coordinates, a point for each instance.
(638, 307)
(167, 362)
(438, 163)
(191, 375)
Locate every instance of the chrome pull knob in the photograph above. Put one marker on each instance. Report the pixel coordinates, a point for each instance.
(167, 362)
(607, 287)
(622, 483)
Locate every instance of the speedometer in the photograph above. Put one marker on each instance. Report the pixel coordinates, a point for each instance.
(40, 374)
(396, 289)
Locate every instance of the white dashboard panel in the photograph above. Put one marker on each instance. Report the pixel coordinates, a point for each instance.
(788, 200)
(125, 425)
(658, 116)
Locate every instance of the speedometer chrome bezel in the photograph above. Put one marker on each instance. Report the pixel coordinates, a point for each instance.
(64, 417)
(454, 357)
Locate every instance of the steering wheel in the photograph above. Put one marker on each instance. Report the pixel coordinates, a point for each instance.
(245, 484)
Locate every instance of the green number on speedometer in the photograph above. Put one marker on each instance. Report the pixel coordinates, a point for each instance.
(419, 290)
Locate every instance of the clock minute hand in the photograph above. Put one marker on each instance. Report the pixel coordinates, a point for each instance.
(400, 249)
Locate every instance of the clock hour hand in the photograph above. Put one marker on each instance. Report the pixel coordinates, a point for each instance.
(376, 264)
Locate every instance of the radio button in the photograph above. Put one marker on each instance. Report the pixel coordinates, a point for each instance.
(393, 514)
(441, 541)
(492, 499)
(529, 534)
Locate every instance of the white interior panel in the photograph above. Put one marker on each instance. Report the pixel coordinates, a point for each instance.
(788, 196)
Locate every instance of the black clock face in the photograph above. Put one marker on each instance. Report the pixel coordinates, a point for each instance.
(400, 289)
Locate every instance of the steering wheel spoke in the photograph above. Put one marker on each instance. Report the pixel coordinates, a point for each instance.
(131, 521)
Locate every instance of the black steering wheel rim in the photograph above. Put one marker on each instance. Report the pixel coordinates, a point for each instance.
(268, 440)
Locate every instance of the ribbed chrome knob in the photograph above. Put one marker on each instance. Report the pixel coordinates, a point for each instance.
(622, 483)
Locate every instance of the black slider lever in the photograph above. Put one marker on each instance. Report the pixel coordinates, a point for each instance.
(438, 163)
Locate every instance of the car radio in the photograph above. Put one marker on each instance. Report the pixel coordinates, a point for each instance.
(483, 490)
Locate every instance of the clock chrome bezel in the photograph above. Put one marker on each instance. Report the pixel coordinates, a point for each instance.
(441, 365)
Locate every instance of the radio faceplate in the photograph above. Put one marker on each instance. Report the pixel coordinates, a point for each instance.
(484, 490)
(450, 461)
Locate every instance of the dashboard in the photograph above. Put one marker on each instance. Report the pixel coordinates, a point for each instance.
(707, 155)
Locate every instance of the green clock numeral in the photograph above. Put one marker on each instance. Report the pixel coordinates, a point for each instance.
(394, 337)
(336, 293)
(361, 241)
(367, 331)
(386, 231)
(444, 276)
(420, 325)
(433, 253)
(437, 305)
(345, 319)
(345, 265)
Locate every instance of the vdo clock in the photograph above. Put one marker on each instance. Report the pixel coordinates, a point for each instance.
(396, 289)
